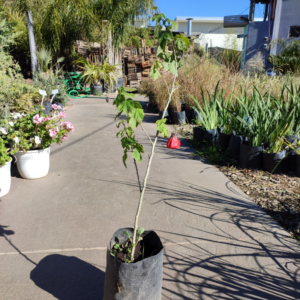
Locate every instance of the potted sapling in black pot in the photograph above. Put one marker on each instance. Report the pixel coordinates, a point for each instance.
(177, 111)
(134, 266)
(210, 116)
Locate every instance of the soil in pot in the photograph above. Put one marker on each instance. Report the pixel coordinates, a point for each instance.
(141, 279)
(198, 133)
(5, 179)
(96, 89)
(250, 157)
(210, 136)
(270, 161)
(177, 117)
(234, 145)
(223, 141)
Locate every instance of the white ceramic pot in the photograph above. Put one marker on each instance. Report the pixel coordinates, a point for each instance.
(5, 179)
(34, 163)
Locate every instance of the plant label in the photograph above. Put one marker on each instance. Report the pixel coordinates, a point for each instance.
(43, 93)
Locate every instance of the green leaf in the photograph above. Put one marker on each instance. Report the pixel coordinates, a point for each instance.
(125, 158)
(138, 114)
(162, 128)
(136, 154)
(137, 105)
(126, 106)
(154, 73)
(140, 231)
(127, 234)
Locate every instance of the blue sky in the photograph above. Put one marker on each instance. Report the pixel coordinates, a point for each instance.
(206, 8)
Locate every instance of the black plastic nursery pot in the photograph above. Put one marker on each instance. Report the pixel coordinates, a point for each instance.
(198, 134)
(167, 116)
(210, 136)
(234, 145)
(270, 161)
(47, 108)
(189, 114)
(292, 160)
(140, 280)
(223, 141)
(177, 117)
(251, 157)
(96, 89)
(298, 164)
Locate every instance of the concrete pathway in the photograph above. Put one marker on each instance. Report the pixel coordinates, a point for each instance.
(218, 243)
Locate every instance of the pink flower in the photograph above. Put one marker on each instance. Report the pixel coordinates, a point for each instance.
(52, 133)
(56, 107)
(68, 126)
(47, 119)
(62, 114)
(37, 119)
(65, 137)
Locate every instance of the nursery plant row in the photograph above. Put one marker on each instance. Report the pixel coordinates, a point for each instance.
(259, 131)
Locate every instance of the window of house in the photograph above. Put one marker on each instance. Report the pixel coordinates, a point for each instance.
(294, 32)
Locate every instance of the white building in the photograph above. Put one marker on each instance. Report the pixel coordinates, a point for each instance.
(211, 33)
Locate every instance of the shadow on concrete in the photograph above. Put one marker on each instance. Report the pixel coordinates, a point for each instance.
(68, 278)
(4, 231)
(234, 249)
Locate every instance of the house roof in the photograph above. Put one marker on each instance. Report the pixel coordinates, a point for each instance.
(206, 19)
(201, 19)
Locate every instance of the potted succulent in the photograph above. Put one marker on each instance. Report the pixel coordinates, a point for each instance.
(97, 74)
(134, 264)
(5, 165)
(32, 136)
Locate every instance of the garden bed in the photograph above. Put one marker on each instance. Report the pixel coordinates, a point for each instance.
(279, 196)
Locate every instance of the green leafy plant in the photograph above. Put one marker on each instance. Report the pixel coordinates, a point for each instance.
(210, 114)
(134, 112)
(4, 157)
(128, 245)
(97, 72)
(288, 60)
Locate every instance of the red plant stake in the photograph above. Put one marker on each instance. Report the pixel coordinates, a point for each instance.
(173, 142)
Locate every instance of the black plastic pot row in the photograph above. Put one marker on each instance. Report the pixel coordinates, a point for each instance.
(181, 117)
(249, 157)
(97, 89)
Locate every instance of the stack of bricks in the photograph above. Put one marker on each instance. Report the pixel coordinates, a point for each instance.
(138, 66)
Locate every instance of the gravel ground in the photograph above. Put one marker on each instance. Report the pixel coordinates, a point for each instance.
(279, 196)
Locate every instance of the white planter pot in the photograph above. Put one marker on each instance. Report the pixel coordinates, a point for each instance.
(34, 163)
(5, 179)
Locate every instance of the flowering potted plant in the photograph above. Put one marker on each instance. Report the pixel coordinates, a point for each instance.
(134, 266)
(32, 136)
(5, 163)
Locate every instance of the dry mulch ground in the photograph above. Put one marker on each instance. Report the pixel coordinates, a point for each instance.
(278, 195)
